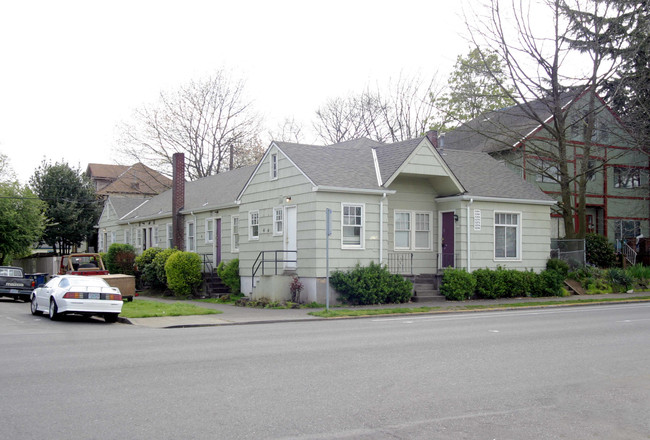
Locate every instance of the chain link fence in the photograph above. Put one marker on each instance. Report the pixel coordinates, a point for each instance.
(573, 251)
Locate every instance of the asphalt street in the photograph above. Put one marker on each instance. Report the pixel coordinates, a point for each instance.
(563, 373)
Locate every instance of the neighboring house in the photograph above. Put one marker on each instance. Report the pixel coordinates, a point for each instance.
(137, 180)
(208, 208)
(617, 188)
(109, 229)
(408, 205)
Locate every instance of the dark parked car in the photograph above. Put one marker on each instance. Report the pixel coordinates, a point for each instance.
(14, 284)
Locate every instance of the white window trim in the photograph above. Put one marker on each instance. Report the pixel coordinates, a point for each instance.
(208, 221)
(273, 166)
(234, 249)
(360, 246)
(277, 232)
(519, 235)
(412, 230)
(250, 225)
(187, 236)
(154, 237)
(395, 231)
(169, 232)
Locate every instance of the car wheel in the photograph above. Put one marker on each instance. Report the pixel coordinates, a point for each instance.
(110, 317)
(34, 306)
(54, 310)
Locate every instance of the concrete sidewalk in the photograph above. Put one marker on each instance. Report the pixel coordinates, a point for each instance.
(233, 315)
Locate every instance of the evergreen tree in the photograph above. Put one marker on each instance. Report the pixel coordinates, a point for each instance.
(72, 207)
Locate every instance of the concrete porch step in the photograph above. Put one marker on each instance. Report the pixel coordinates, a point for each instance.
(428, 298)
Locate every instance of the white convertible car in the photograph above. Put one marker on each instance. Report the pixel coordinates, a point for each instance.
(82, 295)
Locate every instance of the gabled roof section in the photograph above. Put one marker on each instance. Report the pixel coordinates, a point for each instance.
(344, 165)
(105, 171)
(123, 205)
(503, 129)
(138, 179)
(484, 176)
(213, 192)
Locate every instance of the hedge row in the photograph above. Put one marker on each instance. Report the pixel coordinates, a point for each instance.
(459, 285)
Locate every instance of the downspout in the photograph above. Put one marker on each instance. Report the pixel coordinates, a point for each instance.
(381, 229)
(469, 241)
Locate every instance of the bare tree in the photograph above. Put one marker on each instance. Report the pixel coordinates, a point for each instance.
(542, 79)
(403, 111)
(289, 130)
(208, 120)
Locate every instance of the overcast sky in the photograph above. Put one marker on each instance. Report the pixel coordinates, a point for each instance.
(72, 70)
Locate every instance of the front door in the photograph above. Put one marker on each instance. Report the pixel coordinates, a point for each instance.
(290, 240)
(447, 242)
(217, 242)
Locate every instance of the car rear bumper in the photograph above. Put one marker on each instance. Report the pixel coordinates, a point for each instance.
(88, 306)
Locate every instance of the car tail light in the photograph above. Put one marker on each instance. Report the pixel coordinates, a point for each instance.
(74, 295)
(33, 284)
(114, 297)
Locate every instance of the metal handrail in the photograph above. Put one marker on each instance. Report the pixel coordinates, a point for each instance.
(629, 253)
(400, 262)
(260, 263)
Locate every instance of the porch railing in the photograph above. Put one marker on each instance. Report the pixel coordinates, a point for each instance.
(628, 253)
(400, 263)
(262, 259)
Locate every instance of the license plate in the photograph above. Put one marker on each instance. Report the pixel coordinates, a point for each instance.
(13, 290)
(94, 296)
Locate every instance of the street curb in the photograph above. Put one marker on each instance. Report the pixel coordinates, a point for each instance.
(432, 312)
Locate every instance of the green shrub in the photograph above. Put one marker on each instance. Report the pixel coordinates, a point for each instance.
(120, 258)
(600, 252)
(457, 284)
(373, 284)
(229, 274)
(144, 263)
(490, 284)
(183, 270)
(158, 267)
(560, 266)
(620, 279)
(548, 283)
(520, 282)
(639, 272)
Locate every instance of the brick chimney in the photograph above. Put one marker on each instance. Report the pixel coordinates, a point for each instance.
(432, 135)
(178, 200)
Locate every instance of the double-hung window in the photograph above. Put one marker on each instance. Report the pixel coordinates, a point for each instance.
(412, 230)
(278, 221)
(352, 226)
(170, 236)
(235, 234)
(402, 230)
(627, 177)
(422, 230)
(548, 172)
(253, 225)
(191, 237)
(209, 230)
(506, 235)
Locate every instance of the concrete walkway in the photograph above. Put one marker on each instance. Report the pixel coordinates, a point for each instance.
(233, 315)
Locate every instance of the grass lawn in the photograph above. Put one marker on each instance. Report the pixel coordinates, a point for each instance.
(405, 310)
(151, 309)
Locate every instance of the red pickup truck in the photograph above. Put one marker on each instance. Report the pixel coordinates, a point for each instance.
(82, 264)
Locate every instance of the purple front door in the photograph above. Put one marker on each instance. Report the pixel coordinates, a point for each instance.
(448, 239)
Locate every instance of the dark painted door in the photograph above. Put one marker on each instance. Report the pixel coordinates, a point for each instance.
(448, 239)
(217, 243)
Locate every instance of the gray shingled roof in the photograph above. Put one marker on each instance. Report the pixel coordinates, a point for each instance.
(500, 130)
(124, 205)
(214, 191)
(350, 165)
(336, 165)
(484, 176)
